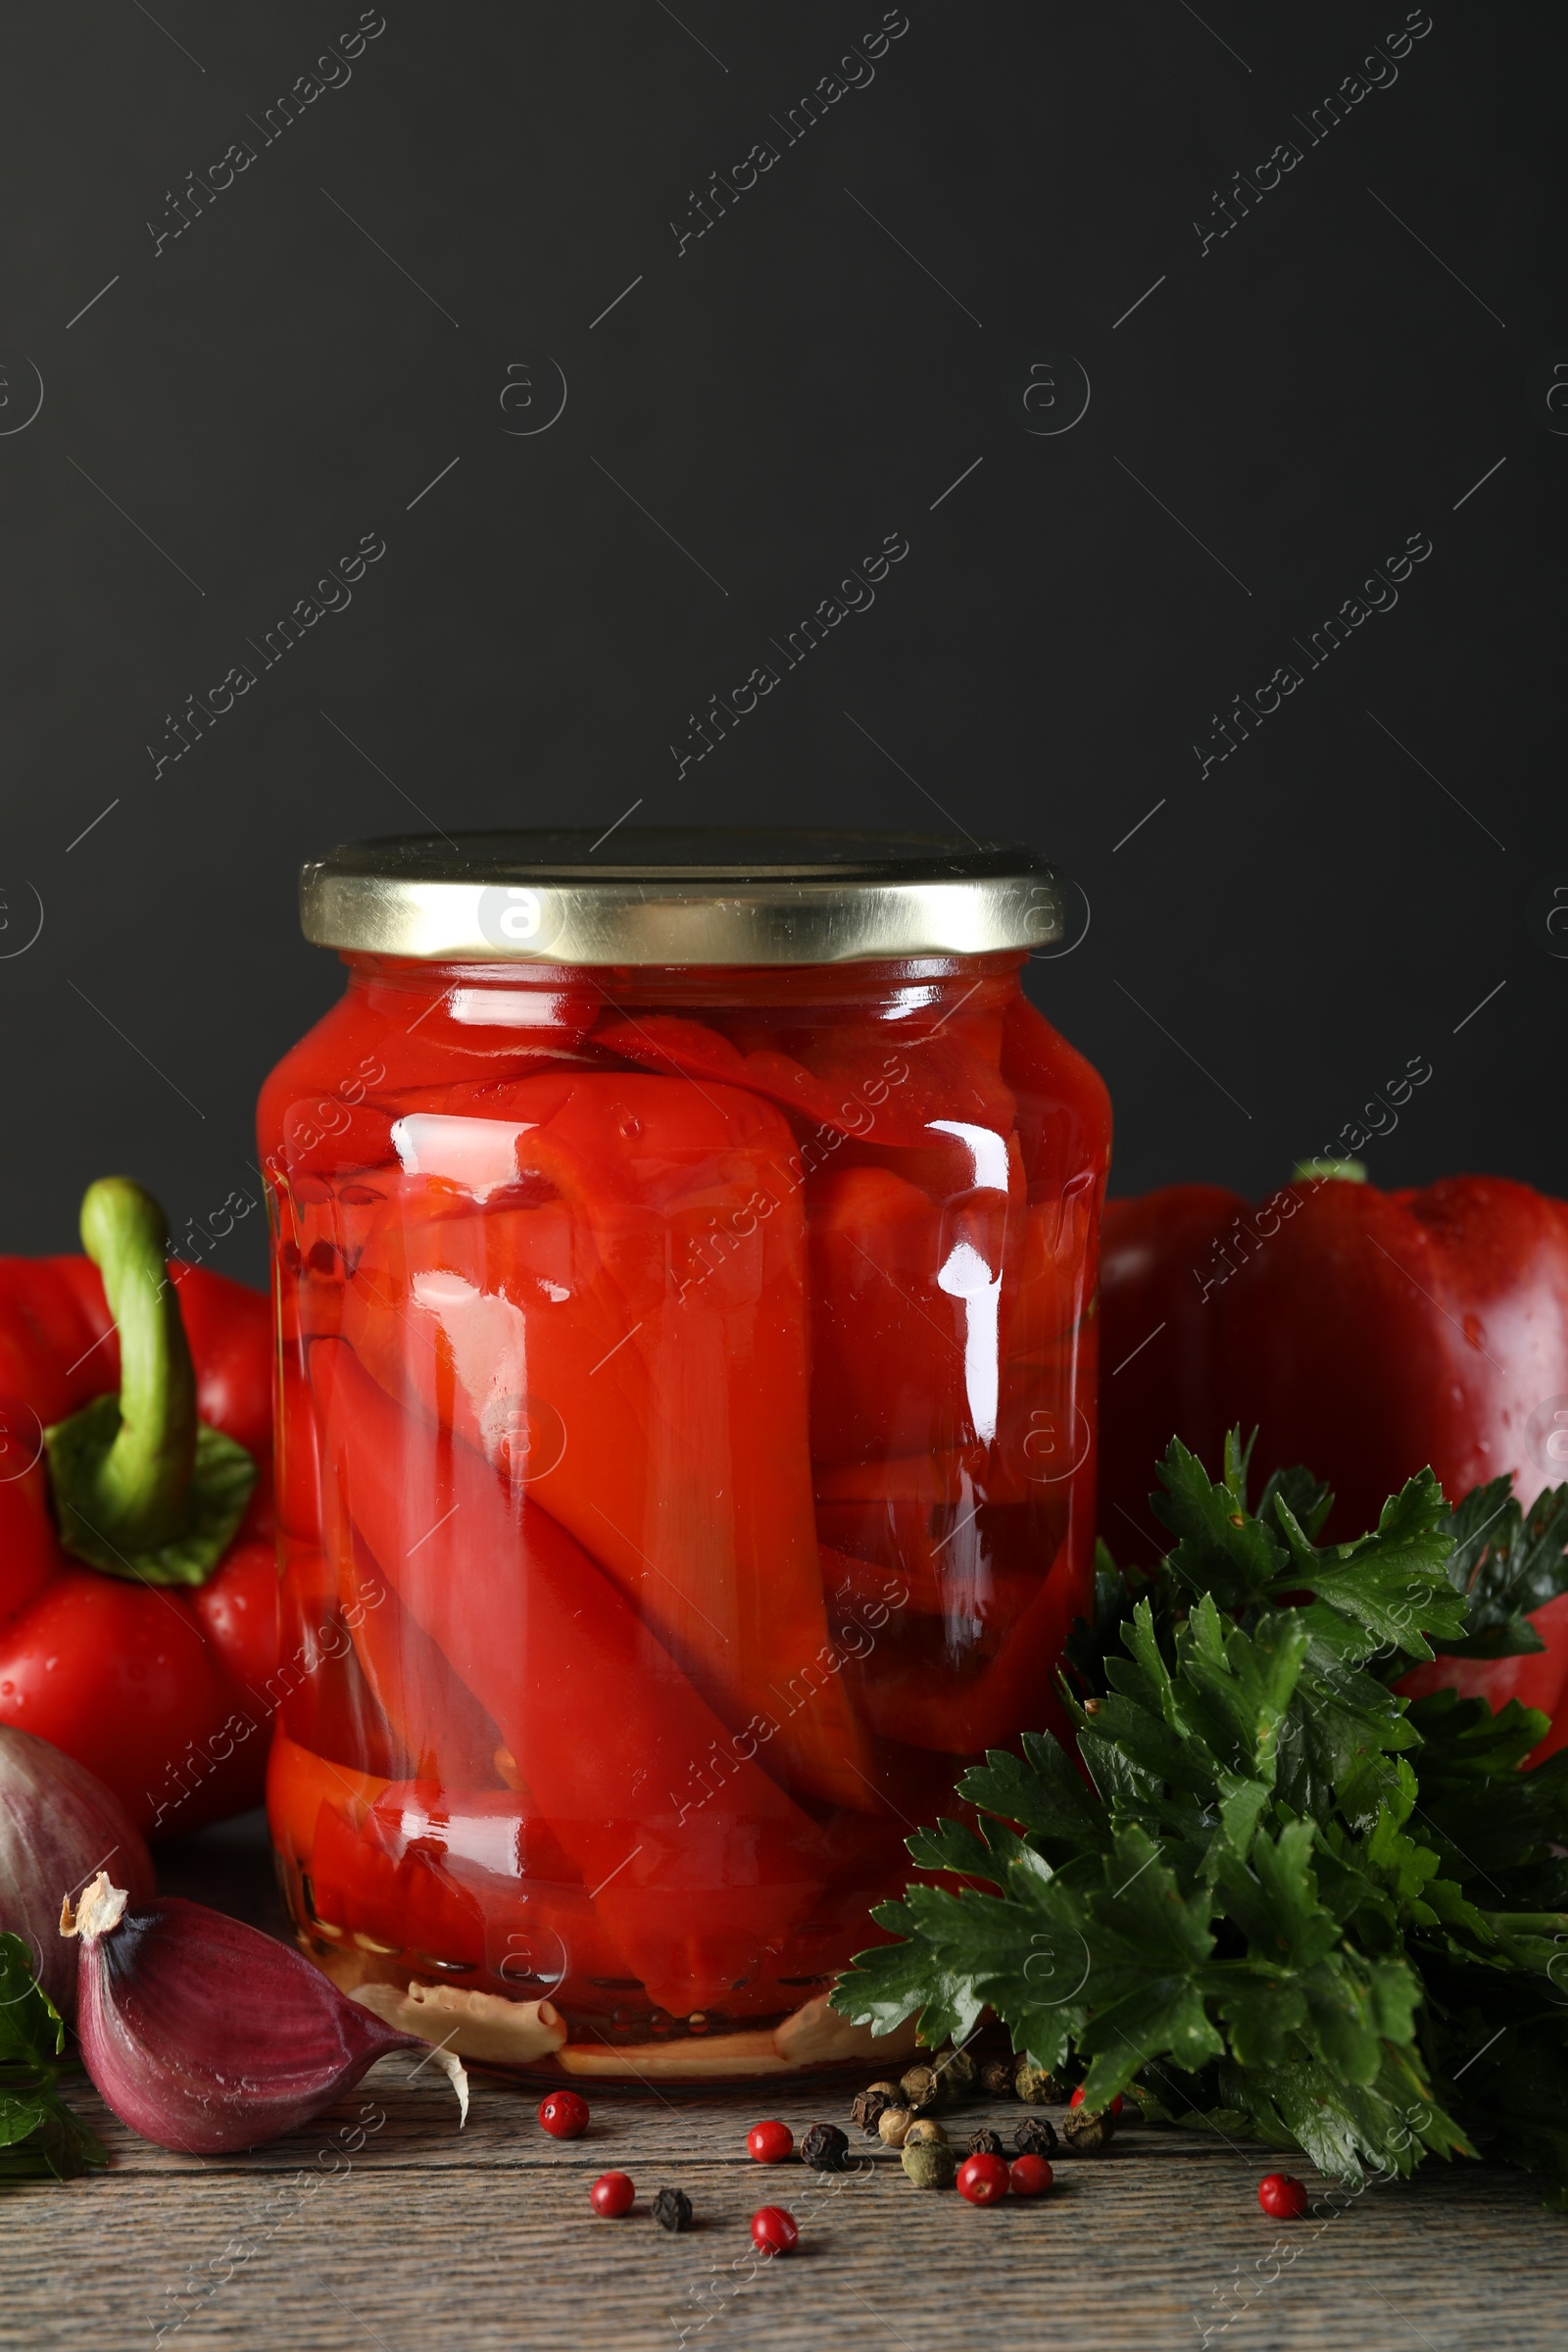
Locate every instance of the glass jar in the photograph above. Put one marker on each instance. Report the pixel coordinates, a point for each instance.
(685, 1282)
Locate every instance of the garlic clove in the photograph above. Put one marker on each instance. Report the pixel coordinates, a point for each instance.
(58, 1825)
(728, 2057)
(476, 2025)
(205, 2036)
(815, 2034)
(101, 1909)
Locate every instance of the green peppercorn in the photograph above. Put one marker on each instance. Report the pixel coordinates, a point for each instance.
(920, 2086)
(930, 2164)
(983, 2143)
(893, 2125)
(996, 2080)
(1086, 2131)
(924, 2131)
(1035, 2085)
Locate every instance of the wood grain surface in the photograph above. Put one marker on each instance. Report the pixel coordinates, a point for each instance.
(424, 2238)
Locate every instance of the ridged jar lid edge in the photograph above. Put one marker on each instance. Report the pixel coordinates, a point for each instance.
(677, 898)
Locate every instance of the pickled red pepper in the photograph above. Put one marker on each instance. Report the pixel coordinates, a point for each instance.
(604, 1730)
(696, 1498)
(685, 1379)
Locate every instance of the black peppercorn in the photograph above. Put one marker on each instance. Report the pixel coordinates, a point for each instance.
(824, 2148)
(672, 2209)
(957, 2074)
(1035, 2136)
(867, 2108)
(996, 2078)
(983, 2143)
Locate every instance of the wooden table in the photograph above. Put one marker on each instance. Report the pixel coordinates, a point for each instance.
(423, 2238)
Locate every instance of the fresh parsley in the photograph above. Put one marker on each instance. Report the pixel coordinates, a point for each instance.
(1286, 1903)
(40, 2137)
(1507, 1563)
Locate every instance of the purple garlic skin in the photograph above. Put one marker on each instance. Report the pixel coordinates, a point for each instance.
(58, 1825)
(205, 2036)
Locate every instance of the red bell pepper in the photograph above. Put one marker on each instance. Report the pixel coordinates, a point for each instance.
(603, 1293)
(138, 1585)
(694, 1883)
(1365, 1334)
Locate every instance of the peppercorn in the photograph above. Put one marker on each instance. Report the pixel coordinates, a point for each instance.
(996, 2078)
(769, 2143)
(1029, 2175)
(930, 2164)
(1036, 2136)
(1035, 2085)
(923, 2131)
(1282, 2196)
(956, 2072)
(613, 2194)
(774, 2230)
(920, 2087)
(824, 2148)
(672, 2209)
(1088, 2130)
(983, 2143)
(868, 2107)
(984, 2179)
(563, 2115)
(893, 2125)
(1077, 2100)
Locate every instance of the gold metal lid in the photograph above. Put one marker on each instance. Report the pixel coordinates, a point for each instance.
(680, 897)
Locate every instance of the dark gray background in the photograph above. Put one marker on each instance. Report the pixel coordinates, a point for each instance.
(1269, 423)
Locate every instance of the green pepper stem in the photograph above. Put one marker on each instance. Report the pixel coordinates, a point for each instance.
(1334, 1171)
(140, 1487)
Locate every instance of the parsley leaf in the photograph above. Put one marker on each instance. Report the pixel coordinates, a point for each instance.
(1273, 1898)
(40, 2137)
(1507, 1564)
